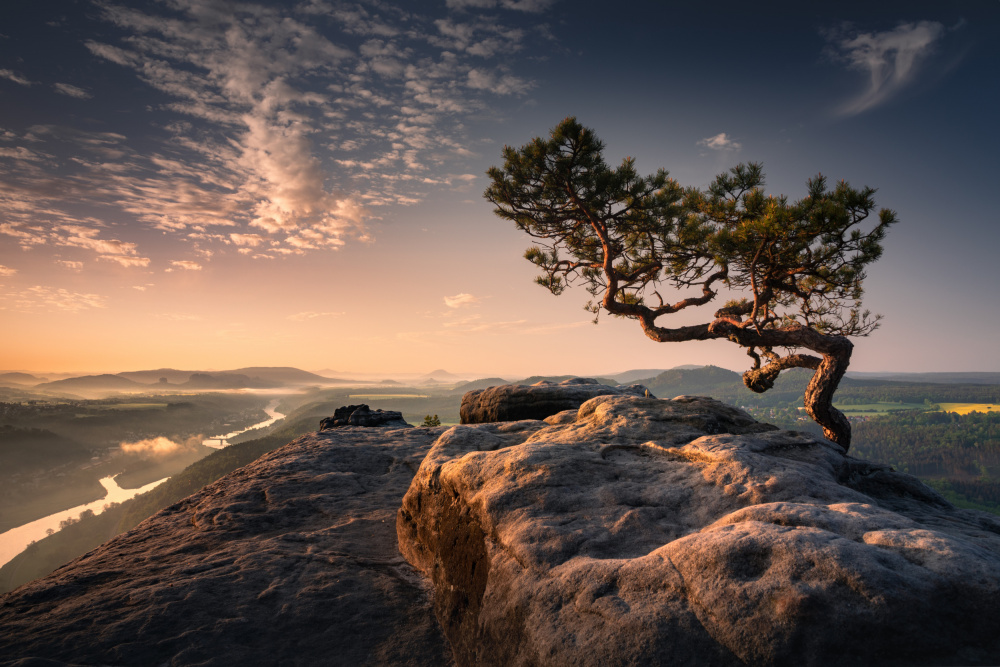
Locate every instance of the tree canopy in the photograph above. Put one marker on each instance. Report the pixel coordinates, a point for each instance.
(794, 270)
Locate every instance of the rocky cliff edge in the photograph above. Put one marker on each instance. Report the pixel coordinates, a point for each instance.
(628, 531)
(636, 531)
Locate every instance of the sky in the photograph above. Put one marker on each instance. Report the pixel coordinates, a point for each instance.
(204, 184)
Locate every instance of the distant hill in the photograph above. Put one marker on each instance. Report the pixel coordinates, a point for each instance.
(483, 383)
(703, 381)
(629, 377)
(270, 376)
(936, 378)
(173, 376)
(284, 375)
(91, 383)
(206, 381)
(441, 375)
(19, 379)
(559, 378)
(433, 381)
(32, 449)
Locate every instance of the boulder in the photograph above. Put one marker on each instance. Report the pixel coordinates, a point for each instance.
(291, 560)
(362, 415)
(512, 402)
(681, 531)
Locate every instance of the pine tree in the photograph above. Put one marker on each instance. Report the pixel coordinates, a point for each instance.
(796, 268)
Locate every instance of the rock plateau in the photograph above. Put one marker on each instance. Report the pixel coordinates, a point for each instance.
(291, 560)
(625, 530)
(513, 402)
(643, 532)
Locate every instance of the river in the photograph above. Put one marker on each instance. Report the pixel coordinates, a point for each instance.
(222, 441)
(16, 540)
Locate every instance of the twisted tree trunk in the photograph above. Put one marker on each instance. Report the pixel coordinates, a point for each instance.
(819, 395)
(829, 369)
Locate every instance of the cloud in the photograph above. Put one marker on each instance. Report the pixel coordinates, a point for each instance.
(720, 142)
(70, 264)
(12, 76)
(251, 240)
(71, 91)
(532, 6)
(279, 129)
(50, 299)
(891, 59)
(178, 317)
(126, 260)
(185, 265)
(302, 317)
(7, 271)
(161, 446)
(112, 250)
(501, 84)
(461, 300)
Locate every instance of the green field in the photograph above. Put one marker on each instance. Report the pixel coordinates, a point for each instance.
(877, 408)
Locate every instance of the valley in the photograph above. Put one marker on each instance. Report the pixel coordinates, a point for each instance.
(57, 449)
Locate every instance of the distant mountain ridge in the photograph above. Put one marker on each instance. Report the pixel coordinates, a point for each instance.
(20, 379)
(483, 383)
(104, 382)
(984, 377)
(253, 377)
(172, 375)
(284, 375)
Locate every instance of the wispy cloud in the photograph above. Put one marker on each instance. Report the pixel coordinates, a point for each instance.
(70, 235)
(891, 59)
(309, 315)
(251, 240)
(461, 300)
(71, 91)
(184, 265)
(70, 264)
(278, 130)
(112, 250)
(499, 83)
(721, 142)
(178, 317)
(43, 298)
(7, 271)
(533, 6)
(14, 76)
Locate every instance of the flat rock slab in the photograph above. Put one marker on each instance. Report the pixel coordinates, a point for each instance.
(512, 402)
(291, 560)
(645, 532)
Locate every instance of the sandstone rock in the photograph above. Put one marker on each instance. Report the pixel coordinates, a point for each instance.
(683, 532)
(512, 402)
(291, 560)
(362, 415)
